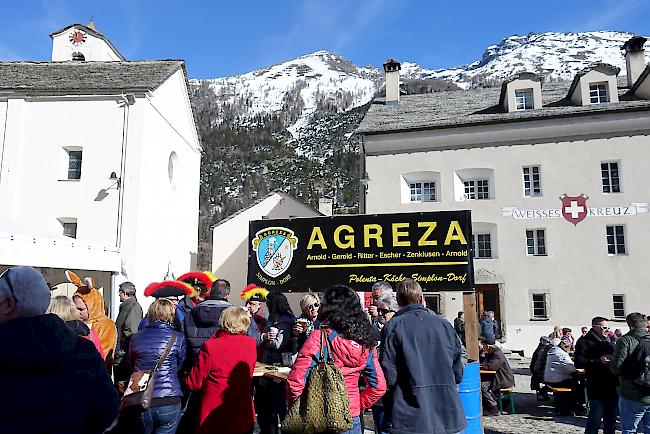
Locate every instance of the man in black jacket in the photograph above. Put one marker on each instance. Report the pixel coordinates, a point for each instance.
(422, 362)
(593, 353)
(53, 381)
(203, 320)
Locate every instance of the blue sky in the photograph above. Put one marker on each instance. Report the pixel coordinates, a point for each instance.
(219, 38)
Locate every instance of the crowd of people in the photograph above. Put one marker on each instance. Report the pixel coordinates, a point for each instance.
(71, 364)
(614, 368)
(61, 356)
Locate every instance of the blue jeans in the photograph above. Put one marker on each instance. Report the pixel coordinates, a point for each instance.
(634, 415)
(356, 426)
(605, 410)
(160, 420)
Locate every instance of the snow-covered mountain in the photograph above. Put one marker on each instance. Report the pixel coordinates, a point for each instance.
(555, 56)
(324, 83)
(317, 82)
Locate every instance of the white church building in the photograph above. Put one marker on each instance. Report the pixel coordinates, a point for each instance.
(99, 165)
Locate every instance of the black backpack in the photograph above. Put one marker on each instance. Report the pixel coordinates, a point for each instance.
(636, 366)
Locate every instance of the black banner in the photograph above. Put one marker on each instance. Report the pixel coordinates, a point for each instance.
(299, 254)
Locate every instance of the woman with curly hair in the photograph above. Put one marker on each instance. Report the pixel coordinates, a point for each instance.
(276, 344)
(353, 345)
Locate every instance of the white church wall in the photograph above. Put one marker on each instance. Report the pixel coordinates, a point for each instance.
(36, 164)
(161, 231)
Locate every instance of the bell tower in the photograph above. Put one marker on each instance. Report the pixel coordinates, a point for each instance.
(81, 43)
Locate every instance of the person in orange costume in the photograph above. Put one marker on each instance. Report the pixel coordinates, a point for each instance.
(102, 324)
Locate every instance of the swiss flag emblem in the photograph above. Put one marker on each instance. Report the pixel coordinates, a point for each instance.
(574, 208)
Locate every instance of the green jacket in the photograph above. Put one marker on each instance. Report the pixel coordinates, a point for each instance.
(624, 347)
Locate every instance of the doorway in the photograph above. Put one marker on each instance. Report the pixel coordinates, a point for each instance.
(487, 298)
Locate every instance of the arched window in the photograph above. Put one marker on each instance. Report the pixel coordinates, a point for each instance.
(78, 57)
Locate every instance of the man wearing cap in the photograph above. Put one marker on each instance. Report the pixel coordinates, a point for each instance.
(503, 377)
(52, 380)
(593, 353)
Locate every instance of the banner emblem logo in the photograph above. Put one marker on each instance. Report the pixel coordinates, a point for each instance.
(574, 208)
(273, 249)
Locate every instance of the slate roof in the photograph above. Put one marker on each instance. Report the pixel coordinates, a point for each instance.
(95, 78)
(459, 108)
(91, 32)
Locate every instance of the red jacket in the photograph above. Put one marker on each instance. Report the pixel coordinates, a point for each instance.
(352, 359)
(224, 372)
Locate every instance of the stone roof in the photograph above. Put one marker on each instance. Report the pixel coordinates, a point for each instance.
(459, 108)
(90, 31)
(94, 78)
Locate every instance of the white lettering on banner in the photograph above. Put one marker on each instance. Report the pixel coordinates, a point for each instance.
(574, 210)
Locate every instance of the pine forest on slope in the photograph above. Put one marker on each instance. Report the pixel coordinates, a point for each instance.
(289, 126)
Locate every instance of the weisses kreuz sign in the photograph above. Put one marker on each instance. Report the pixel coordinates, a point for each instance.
(575, 209)
(358, 250)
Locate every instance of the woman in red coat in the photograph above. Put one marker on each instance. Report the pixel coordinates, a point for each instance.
(224, 373)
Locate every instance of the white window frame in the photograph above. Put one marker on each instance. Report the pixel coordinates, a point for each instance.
(65, 161)
(422, 196)
(476, 243)
(524, 99)
(67, 222)
(544, 305)
(536, 245)
(471, 189)
(621, 302)
(599, 92)
(421, 177)
(529, 181)
(607, 176)
(613, 244)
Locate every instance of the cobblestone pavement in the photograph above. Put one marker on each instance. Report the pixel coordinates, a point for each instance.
(532, 416)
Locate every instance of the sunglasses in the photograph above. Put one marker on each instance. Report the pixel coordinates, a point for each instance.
(313, 306)
(5, 277)
(384, 311)
(602, 327)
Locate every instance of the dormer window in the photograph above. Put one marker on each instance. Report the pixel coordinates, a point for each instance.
(524, 99)
(596, 84)
(598, 93)
(521, 92)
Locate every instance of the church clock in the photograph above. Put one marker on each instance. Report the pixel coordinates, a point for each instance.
(77, 37)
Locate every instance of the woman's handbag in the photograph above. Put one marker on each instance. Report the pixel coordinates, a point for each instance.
(324, 405)
(137, 396)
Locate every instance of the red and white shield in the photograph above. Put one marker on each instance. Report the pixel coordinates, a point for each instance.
(574, 208)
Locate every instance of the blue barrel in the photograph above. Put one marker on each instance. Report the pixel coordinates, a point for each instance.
(469, 391)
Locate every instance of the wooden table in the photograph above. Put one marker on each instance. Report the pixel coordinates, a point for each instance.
(264, 370)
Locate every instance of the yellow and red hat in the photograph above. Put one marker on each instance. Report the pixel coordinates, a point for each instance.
(254, 293)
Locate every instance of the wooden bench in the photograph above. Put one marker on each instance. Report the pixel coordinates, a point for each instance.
(560, 400)
(506, 394)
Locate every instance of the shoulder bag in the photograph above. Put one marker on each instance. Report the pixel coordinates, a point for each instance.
(324, 405)
(137, 396)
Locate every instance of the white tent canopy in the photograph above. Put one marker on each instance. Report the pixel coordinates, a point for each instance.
(23, 245)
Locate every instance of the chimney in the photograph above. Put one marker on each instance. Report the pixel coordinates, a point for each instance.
(325, 206)
(634, 58)
(391, 68)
